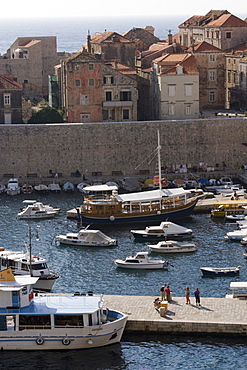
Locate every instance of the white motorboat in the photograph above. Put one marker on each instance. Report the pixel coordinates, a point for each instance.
(236, 234)
(235, 217)
(244, 242)
(41, 187)
(87, 238)
(20, 265)
(34, 209)
(13, 187)
(141, 261)
(54, 187)
(232, 190)
(163, 231)
(172, 246)
(53, 322)
(81, 186)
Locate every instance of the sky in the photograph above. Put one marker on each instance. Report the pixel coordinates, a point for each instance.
(80, 8)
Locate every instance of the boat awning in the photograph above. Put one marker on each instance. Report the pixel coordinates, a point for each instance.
(100, 188)
(238, 285)
(152, 195)
(10, 288)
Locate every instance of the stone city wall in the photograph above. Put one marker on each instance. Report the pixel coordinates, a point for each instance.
(127, 147)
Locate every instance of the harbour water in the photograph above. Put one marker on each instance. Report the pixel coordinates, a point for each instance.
(82, 269)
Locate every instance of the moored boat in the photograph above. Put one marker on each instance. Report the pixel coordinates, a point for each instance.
(54, 187)
(87, 238)
(230, 207)
(68, 187)
(236, 234)
(27, 189)
(41, 188)
(20, 265)
(57, 322)
(13, 187)
(141, 261)
(161, 232)
(220, 271)
(36, 210)
(172, 246)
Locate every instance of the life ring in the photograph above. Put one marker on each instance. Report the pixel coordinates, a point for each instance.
(164, 182)
(66, 341)
(40, 341)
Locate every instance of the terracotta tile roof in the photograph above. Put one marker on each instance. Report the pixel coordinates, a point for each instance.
(7, 83)
(169, 62)
(202, 46)
(123, 68)
(202, 20)
(81, 56)
(108, 37)
(234, 51)
(227, 20)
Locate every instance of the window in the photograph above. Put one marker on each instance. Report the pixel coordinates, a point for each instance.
(77, 82)
(207, 33)
(25, 81)
(108, 80)
(84, 99)
(91, 67)
(126, 113)
(108, 96)
(212, 58)
(7, 99)
(171, 90)
(228, 35)
(212, 75)
(211, 96)
(91, 82)
(108, 114)
(85, 117)
(125, 95)
(171, 110)
(76, 67)
(188, 90)
(217, 34)
(229, 77)
(188, 109)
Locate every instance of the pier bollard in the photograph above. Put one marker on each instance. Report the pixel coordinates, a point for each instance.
(163, 308)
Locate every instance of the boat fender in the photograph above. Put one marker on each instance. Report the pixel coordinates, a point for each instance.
(164, 182)
(66, 341)
(158, 212)
(112, 218)
(40, 341)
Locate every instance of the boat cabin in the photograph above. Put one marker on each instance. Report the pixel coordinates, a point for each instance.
(239, 290)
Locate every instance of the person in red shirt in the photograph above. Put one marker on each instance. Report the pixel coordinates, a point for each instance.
(168, 293)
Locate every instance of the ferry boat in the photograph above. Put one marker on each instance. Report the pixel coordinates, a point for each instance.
(20, 264)
(223, 208)
(57, 322)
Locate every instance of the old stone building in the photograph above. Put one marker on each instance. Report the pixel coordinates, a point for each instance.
(217, 27)
(112, 46)
(143, 37)
(94, 91)
(10, 100)
(175, 87)
(31, 60)
(236, 77)
(211, 66)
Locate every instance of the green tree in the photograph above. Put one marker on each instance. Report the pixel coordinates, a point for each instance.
(46, 115)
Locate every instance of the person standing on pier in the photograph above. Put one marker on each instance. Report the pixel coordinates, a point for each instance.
(168, 293)
(163, 292)
(197, 297)
(187, 295)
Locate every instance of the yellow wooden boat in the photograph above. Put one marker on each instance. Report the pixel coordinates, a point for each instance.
(221, 209)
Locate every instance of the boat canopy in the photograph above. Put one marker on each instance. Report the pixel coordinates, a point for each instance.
(152, 195)
(100, 188)
(238, 285)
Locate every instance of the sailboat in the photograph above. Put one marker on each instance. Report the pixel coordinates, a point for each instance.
(147, 206)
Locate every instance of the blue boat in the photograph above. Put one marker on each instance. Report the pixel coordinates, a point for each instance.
(220, 271)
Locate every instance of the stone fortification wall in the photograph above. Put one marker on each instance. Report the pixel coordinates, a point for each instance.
(126, 147)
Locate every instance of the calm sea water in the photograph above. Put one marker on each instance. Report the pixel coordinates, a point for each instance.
(72, 32)
(82, 269)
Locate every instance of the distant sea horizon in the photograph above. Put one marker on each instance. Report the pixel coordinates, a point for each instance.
(71, 32)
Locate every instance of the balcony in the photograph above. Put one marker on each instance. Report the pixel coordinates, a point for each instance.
(115, 104)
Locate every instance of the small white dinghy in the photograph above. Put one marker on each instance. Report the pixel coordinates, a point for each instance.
(172, 246)
(236, 235)
(141, 261)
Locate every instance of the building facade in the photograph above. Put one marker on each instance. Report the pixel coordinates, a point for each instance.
(10, 100)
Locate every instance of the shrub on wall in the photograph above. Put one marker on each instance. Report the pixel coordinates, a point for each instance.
(46, 115)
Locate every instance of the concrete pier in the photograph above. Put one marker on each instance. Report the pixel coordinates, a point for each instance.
(216, 315)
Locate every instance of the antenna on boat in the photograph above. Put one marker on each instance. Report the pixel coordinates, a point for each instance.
(159, 161)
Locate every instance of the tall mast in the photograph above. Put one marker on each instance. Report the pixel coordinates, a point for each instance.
(159, 162)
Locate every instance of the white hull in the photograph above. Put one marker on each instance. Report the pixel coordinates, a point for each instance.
(85, 243)
(13, 192)
(172, 250)
(148, 266)
(44, 285)
(65, 338)
(38, 216)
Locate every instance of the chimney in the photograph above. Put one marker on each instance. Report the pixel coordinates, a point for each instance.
(169, 38)
(89, 43)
